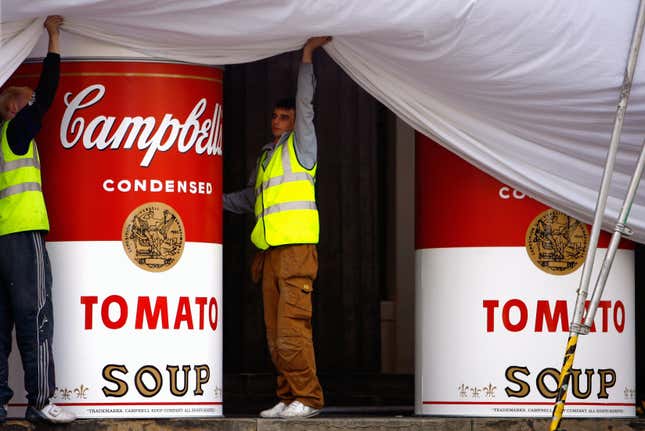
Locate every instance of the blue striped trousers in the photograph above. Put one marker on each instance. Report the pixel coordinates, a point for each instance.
(25, 302)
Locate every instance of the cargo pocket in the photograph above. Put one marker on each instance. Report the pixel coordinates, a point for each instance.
(297, 293)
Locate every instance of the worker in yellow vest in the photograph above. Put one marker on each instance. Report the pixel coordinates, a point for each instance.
(25, 274)
(282, 197)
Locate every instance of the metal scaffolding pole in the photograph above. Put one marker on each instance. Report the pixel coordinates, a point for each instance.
(578, 326)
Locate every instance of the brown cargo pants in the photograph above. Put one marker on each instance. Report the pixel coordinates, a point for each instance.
(288, 273)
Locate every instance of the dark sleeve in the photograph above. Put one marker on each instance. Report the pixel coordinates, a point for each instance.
(26, 124)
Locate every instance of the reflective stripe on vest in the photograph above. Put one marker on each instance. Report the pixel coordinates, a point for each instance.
(289, 206)
(285, 207)
(20, 188)
(16, 164)
(22, 205)
(286, 178)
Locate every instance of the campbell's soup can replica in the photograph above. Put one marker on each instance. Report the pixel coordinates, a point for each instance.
(131, 155)
(496, 280)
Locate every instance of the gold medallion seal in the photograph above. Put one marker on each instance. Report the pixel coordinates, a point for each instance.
(153, 236)
(557, 243)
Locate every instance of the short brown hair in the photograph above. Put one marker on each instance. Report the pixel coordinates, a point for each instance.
(16, 92)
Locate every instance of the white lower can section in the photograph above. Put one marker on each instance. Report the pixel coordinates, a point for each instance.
(129, 343)
(491, 330)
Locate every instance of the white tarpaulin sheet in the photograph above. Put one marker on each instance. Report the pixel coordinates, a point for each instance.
(526, 90)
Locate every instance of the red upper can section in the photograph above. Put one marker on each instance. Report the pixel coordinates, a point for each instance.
(120, 134)
(457, 205)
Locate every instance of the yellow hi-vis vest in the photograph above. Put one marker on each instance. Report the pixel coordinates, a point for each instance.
(22, 205)
(285, 200)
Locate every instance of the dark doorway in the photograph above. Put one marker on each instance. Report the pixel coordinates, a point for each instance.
(353, 200)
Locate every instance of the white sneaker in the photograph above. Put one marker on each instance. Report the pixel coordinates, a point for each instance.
(50, 413)
(274, 412)
(297, 410)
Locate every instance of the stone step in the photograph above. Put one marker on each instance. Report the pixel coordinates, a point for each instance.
(333, 423)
